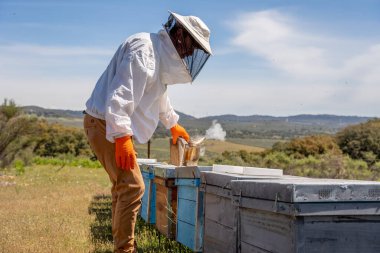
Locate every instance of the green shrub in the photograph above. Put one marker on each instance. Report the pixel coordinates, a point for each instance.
(361, 141)
(19, 167)
(310, 145)
(83, 162)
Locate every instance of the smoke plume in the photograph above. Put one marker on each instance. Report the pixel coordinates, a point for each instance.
(216, 132)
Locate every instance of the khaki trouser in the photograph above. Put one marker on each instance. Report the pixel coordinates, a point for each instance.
(127, 185)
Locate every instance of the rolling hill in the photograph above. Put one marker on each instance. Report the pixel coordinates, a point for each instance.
(253, 126)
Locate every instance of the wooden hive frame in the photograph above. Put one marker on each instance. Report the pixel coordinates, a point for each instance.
(166, 200)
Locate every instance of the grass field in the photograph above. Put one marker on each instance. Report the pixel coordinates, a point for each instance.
(261, 143)
(46, 209)
(160, 147)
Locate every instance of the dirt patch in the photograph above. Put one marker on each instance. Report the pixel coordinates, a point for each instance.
(7, 181)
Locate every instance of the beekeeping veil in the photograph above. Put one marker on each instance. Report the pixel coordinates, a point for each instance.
(191, 38)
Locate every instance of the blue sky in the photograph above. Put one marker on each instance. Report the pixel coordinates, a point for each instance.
(270, 57)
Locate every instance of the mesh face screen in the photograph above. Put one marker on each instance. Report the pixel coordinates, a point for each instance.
(191, 53)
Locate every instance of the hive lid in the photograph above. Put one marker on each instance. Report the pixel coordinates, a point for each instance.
(164, 171)
(149, 167)
(251, 171)
(191, 171)
(223, 180)
(307, 190)
(141, 161)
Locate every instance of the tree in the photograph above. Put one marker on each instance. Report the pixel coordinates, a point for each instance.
(311, 145)
(361, 141)
(14, 125)
(56, 140)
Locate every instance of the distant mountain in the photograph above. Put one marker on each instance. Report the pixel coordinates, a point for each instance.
(307, 119)
(55, 113)
(254, 126)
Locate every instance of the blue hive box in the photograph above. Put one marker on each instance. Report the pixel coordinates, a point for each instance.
(148, 205)
(140, 162)
(190, 207)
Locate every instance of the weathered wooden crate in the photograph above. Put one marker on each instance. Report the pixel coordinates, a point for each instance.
(166, 200)
(220, 234)
(190, 207)
(148, 201)
(307, 216)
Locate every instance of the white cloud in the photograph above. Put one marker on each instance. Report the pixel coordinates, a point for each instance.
(50, 76)
(273, 36)
(303, 54)
(40, 50)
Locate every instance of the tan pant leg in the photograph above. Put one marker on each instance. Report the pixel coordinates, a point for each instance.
(127, 185)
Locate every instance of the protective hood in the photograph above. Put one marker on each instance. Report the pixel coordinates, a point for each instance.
(191, 39)
(172, 68)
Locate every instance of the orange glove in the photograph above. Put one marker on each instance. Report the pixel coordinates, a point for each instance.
(179, 131)
(125, 153)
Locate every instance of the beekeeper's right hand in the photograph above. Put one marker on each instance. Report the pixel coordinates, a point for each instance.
(178, 131)
(124, 153)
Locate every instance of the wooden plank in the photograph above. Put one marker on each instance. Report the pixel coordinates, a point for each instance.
(218, 238)
(149, 167)
(148, 212)
(309, 209)
(267, 231)
(227, 169)
(186, 234)
(164, 171)
(141, 161)
(337, 208)
(248, 248)
(159, 181)
(192, 182)
(265, 205)
(199, 223)
(223, 180)
(224, 192)
(341, 234)
(191, 171)
(177, 151)
(190, 210)
(186, 211)
(219, 209)
(166, 208)
(249, 171)
(308, 190)
(254, 171)
(187, 192)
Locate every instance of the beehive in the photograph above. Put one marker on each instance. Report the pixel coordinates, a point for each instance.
(220, 223)
(308, 216)
(148, 201)
(190, 207)
(166, 200)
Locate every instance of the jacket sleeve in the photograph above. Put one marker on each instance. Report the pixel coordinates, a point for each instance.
(168, 116)
(124, 94)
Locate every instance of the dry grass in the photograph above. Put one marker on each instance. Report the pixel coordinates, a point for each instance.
(160, 147)
(219, 147)
(46, 210)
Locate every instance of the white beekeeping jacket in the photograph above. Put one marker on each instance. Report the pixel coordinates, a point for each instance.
(131, 93)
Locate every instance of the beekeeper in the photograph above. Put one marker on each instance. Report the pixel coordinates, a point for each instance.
(128, 101)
